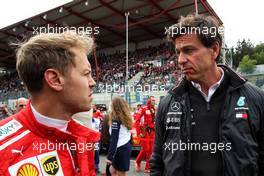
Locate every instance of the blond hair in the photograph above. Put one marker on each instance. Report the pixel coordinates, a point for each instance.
(48, 50)
(120, 111)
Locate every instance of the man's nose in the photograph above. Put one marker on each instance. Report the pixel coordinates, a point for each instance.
(182, 59)
(92, 83)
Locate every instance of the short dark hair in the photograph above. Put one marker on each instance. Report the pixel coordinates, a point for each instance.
(201, 26)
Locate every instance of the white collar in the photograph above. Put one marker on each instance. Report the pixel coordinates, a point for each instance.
(212, 89)
(50, 122)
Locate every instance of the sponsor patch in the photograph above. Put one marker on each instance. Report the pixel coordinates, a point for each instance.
(173, 117)
(241, 101)
(175, 106)
(20, 168)
(242, 115)
(241, 109)
(172, 128)
(50, 163)
(9, 128)
(46, 164)
(28, 169)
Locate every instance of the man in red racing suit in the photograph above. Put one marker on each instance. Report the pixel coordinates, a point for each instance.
(28, 146)
(43, 139)
(144, 124)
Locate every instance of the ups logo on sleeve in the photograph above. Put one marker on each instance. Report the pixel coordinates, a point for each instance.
(50, 165)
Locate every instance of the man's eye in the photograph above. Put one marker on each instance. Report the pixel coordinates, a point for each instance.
(188, 50)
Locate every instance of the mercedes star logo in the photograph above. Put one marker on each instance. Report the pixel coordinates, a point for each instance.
(175, 106)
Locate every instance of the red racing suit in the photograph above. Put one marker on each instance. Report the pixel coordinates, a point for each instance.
(27, 146)
(98, 114)
(144, 124)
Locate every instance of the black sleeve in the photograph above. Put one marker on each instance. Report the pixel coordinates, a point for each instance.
(114, 139)
(156, 162)
(261, 139)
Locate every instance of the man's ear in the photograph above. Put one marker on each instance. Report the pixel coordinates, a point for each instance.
(54, 79)
(215, 50)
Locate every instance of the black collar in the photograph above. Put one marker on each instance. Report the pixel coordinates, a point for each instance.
(236, 81)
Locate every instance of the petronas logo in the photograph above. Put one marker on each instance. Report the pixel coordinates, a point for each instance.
(28, 170)
(241, 101)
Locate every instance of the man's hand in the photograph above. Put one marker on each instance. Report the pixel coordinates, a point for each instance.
(108, 162)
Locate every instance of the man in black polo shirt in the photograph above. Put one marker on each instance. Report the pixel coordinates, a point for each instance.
(211, 123)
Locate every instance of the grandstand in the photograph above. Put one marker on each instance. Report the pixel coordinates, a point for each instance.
(152, 61)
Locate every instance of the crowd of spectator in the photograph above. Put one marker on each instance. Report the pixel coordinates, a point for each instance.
(10, 83)
(112, 69)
